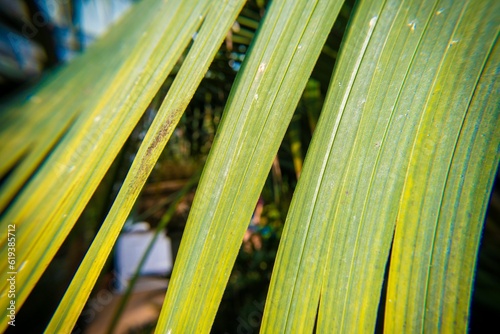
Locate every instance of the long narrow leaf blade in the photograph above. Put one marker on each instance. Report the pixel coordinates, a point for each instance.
(47, 208)
(346, 202)
(293, 297)
(208, 40)
(422, 251)
(259, 109)
(471, 176)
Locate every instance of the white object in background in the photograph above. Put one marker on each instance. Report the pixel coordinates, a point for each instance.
(130, 248)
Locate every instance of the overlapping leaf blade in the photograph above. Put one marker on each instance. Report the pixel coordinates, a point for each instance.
(292, 301)
(408, 137)
(257, 114)
(46, 209)
(347, 199)
(431, 243)
(208, 40)
(462, 212)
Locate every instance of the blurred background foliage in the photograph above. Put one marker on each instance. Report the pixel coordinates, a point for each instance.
(38, 36)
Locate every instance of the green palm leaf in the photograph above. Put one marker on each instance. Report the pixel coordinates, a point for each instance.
(46, 209)
(256, 116)
(397, 174)
(348, 198)
(432, 217)
(216, 24)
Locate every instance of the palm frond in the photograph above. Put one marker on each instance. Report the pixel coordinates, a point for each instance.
(394, 183)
